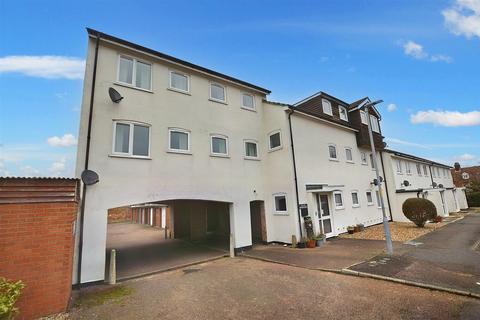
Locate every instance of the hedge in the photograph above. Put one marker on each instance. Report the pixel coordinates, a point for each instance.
(473, 199)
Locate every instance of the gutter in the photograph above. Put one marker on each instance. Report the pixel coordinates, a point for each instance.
(87, 154)
(290, 112)
(386, 186)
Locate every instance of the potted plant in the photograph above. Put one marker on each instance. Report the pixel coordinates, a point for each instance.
(302, 244)
(356, 228)
(320, 239)
(361, 227)
(438, 219)
(351, 229)
(311, 243)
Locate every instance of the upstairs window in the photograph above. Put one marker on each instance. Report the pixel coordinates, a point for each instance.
(419, 169)
(363, 117)
(219, 145)
(179, 81)
(355, 201)
(131, 139)
(363, 155)
(179, 140)
(425, 171)
(248, 101)
(135, 73)
(374, 123)
(343, 113)
(217, 92)
(399, 165)
(407, 167)
(275, 141)
(327, 107)
(332, 152)
(438, 172)
(348, 155)
(251, 149)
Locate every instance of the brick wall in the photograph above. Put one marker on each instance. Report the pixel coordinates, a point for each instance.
(36, 242)
(119, 214)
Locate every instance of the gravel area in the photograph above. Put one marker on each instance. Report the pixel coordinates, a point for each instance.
(401, 231)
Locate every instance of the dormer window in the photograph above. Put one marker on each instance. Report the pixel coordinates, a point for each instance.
(374, 123)
(327, 107)
(363, 117)
(343, 113)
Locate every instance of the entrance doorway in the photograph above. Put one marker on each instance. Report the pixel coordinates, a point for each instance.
(257, 220)
(325, 217)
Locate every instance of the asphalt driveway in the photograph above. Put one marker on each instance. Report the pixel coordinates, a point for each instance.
(242, 288)
(448, 257)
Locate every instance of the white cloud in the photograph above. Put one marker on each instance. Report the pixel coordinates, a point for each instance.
(392, 107)
(406, 143)
(447, 118)
(29, 171)
(463, 18)
(67, 140)
(416, 50)
(59, 167)
(3, 169)
(467, 159)
(50, 67)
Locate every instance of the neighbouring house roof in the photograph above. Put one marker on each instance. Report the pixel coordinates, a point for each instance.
(163, 56)
(412, 157)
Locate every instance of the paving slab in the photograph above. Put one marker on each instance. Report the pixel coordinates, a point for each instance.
(336, 254)
(447, 258)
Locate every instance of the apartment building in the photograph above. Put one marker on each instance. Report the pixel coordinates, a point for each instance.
(216, 155)
(409, 176)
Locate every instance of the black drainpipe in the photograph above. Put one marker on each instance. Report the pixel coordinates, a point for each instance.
(87, 153)
(386, 187)
(290, 111)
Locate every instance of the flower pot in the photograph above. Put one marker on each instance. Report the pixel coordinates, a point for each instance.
(301, 245)
(351, 230)
(311, 243)
(319, 242)
(356, 228)
(361, 227)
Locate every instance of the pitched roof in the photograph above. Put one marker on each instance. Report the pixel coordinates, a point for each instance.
(94, 33)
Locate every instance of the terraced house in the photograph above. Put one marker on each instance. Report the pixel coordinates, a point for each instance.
(215, 155)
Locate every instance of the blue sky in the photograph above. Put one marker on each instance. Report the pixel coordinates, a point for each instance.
(420, 57)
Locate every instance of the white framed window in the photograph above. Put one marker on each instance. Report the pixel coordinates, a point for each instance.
(342, 111)
(425, 171)
(178, 140)
(363, 156)
(327, 107)
(379, 203)
(274, 140)
(248, 101)
(355, 200)
(280, 202)
(131, 139)
(369, 198)
(408, 169)
(438, 172)
(363, 117)
(349, 155)
(218, 92)
(444, 173)
(332, 152)
(433, 172)
(251, 149)
(399, 166)
(219, 145)
(134, 73)
(179, 81)
(338, 200)
(419, 169)
(375, 124)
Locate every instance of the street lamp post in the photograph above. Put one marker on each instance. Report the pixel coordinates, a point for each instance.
(386, 227)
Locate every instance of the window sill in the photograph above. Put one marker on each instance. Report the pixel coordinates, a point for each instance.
(369, 204)
(179, 152)
(352, 162)
(248, 109)
(339, 208)
(179, 91)
(334, 159)
(112, 155)
(126, 85)
(275, 149)
(364, 164)
(356, 206)
(278, 213)
(251, 158)
(218, 101)
(213, 155)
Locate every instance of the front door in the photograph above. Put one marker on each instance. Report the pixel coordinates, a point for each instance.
(325, 217)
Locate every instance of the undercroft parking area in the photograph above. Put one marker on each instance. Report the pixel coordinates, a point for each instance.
(150, 238)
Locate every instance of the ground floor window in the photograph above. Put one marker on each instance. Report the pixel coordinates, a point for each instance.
(280, 203)
(369, 198)
(355, 202)
(338, 200)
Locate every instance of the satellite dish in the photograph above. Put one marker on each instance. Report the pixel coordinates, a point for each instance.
(440, 185)
(434, 184)
(406, 183)
(114, 95)
(89, 177)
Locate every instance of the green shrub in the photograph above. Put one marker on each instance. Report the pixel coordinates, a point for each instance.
(9, 293)
(473, 199)
(419, 210)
